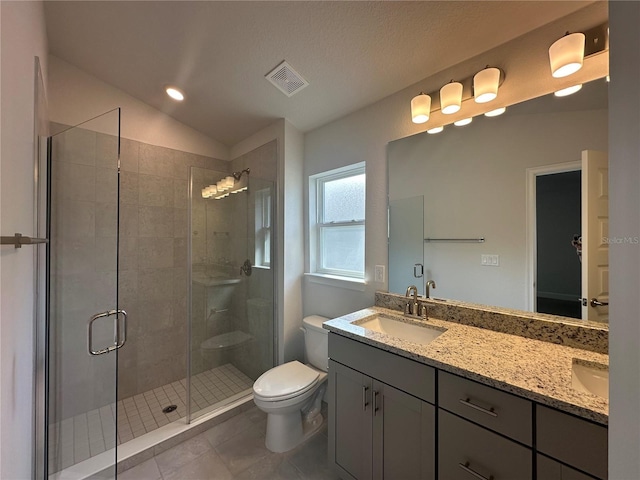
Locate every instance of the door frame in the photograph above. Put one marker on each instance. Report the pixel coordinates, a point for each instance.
(531, 229)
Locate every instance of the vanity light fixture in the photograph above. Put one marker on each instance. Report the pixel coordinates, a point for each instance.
(496, 112)
(485, 84)
(463, 122)
(451, 97)
(175, 93)
(567, 54)
(568, 91)
(435, 130)
(210, 191)
(235, 183)
(420, 108)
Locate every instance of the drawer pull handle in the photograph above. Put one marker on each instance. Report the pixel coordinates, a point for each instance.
(375, 402)
(467, 402)
(364, 397)
(465, 466)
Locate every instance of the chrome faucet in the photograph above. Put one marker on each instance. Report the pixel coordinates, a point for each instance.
(430, 283)
(413, 308)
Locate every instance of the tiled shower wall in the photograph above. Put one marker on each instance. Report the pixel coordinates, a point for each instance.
(153, 262)
(152, 259)
(223, 237)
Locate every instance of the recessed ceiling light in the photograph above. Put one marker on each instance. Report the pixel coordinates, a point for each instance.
(496, 112)
(568, 91)
(175, 93)
(435, 130)
(463, 122)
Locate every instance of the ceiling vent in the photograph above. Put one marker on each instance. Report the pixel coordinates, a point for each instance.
(286, 79)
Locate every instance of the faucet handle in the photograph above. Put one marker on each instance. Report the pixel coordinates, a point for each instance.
(407, 308)
(422, 311)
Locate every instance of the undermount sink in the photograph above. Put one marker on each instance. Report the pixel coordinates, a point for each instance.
(406, 331)
(590, 377)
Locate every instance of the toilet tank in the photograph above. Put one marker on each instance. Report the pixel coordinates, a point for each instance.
(316, 341)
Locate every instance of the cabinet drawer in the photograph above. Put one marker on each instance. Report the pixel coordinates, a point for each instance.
(572, 440)
(467, 451)
(548, 469)
(407, 375)
(494, 409)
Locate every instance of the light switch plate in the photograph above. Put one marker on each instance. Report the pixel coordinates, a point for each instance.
(490, 260)
(379, 274)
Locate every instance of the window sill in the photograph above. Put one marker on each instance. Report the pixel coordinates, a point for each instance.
(335, 281)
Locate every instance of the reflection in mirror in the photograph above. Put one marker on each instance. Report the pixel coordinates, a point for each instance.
(481, 180)
(406, 231)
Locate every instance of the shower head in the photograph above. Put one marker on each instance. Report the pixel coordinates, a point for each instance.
(238, 175)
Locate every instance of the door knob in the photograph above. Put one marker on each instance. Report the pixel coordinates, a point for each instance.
(596, 303)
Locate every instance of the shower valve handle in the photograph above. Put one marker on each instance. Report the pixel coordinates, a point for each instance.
(246, 268)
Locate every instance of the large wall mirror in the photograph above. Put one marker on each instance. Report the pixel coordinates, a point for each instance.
(508, 211)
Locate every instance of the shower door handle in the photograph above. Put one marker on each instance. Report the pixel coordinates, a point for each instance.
(119, 334)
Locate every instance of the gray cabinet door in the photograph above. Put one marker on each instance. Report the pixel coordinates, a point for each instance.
(350, 422)
(572, 440)
(469, 452)
(403, 435)
(549, 469)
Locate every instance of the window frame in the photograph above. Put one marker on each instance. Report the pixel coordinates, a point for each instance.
(319, 226)
(263, 220)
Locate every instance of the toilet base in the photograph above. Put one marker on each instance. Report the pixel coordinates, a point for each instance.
(285, 432)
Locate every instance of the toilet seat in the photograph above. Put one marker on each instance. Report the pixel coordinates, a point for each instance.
(286, 381)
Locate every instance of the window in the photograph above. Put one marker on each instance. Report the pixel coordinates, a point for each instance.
(337, 236)
(263, 228)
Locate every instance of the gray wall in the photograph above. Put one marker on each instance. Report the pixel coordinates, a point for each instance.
(23, 37)
(624, 179)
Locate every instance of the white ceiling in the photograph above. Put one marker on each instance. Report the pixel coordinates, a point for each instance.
(351, 53)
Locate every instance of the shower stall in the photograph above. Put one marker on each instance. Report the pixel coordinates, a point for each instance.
(160, 297)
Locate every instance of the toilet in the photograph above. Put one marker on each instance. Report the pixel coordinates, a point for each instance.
(291, 394)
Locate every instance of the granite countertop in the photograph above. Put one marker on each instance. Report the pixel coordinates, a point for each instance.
(533, 369)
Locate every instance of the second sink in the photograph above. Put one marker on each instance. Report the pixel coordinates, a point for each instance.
(406, 331)
(590, 377)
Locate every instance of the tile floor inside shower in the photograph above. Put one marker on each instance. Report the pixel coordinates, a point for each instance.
(88, 434)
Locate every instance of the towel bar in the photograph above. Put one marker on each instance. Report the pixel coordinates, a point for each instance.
(18, 240)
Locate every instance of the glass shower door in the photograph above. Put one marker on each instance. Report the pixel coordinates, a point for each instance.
(232, 289)
(85, 326)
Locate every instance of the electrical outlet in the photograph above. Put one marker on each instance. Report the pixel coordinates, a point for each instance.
(379, 274)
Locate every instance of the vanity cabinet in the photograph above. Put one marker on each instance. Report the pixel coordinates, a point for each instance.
(494, 409)
(378, 431)
(467, 451)
(467, 444)
(573, 441)
(549, 469)
(382, 424)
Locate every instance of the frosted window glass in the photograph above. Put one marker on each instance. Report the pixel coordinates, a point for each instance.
(343, 248)
(343, 199)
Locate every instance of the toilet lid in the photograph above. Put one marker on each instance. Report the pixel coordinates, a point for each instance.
(285, 381)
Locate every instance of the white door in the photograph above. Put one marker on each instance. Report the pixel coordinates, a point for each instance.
(595, 232)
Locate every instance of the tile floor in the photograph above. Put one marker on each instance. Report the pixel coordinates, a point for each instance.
(235, 450)
(78, 438)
